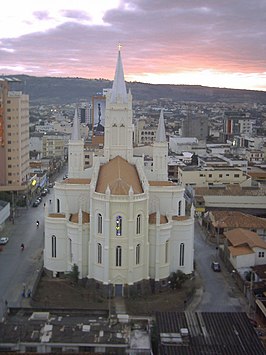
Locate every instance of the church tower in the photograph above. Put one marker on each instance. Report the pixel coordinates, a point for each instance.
(75, 150)
(118, 135)
(160, 152)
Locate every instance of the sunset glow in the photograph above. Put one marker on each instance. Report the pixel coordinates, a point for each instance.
(169, 42)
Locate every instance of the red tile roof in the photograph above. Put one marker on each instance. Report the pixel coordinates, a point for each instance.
(119, 175)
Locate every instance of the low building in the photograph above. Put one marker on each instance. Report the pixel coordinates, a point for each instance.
(250, 200)
(76, 331)
(244, 248)
(211, 176)
(206, 333)
(218, 222)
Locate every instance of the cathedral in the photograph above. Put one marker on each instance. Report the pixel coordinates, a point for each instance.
(120, 223)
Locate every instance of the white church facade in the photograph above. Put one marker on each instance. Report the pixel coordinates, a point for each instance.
(119, 223)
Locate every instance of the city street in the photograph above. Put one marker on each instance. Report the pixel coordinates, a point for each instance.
(17, 267)
(219, 292)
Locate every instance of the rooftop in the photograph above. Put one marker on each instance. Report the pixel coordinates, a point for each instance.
(235, 219)
(206, 333)
(82, 327)
(119, 176)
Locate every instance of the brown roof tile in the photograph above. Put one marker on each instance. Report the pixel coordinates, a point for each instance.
(235, 219)
(244, 250)
(74, 217)
(260, 270)
(180, 218)
(240, 236)
(77, 181)
(152, 219)
(56, 215)
(119, 175)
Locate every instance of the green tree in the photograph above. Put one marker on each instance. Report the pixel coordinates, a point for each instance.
(74, 273)
(176, 279)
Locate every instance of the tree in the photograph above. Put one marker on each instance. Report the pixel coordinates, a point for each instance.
(176, 279)
(74, 273)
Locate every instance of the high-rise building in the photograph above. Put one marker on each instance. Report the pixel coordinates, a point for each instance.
(14, 135)
(195, 126)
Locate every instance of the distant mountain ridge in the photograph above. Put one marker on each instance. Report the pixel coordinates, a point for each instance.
(49, 90)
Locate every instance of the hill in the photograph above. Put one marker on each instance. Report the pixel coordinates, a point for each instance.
(49, 90)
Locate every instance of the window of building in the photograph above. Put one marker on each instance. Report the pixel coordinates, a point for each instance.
(58, 205)
(138, 224)
(137, 254)
(70, 250)
(166, 251)
(220, 175)
(210, 175)
(181, 254)
(53, 246)
(100, 223)
(118, 256)
(236, 175)
(99, 253)
(179, 208)
(118, 226)
(261, 254)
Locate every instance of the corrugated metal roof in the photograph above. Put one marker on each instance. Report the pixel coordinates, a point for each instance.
(209, 333)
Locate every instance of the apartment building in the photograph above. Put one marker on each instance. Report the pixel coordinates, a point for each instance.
(211, 176)
(55, 145)
(14, 135)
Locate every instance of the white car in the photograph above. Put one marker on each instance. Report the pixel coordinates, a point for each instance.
(3, 240)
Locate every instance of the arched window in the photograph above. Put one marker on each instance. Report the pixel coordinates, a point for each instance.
(166, 251)
(100, 223)
(53, 246)
(179, 208)
(99, 253)
(137, 254)
(118, 256)
(70, 250)
(58, 205)
(138, 224)
(181, 254)
(118, 225)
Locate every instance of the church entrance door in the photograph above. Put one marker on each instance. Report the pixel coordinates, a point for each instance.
(118, 290)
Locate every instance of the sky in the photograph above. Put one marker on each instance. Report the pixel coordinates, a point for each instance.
(218, 43)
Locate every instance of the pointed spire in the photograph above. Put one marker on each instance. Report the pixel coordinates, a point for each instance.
(76, 128)
(160, 134)
(119, 91)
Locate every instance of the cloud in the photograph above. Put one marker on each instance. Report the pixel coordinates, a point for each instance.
(158, 37)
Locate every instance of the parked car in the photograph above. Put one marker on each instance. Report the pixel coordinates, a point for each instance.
(36, 203)
(3, 240)
(44, 193)
(216, 266)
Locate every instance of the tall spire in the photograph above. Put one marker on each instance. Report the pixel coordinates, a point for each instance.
(76, 128)
(119, 91)
(160, 134)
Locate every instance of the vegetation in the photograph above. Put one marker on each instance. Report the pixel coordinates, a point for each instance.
(51, 90)
(74, 273)
(176, 279)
